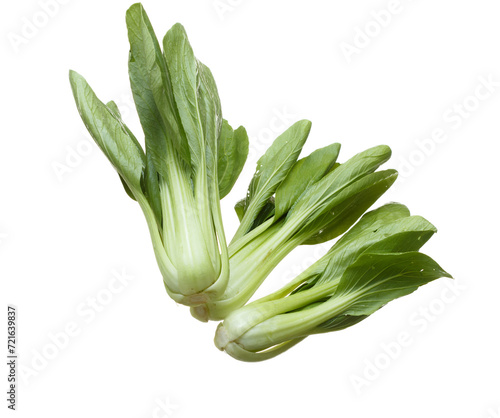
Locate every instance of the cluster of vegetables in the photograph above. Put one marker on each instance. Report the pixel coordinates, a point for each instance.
(191, 160)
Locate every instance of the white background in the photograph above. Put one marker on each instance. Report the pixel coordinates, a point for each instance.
(66, 225)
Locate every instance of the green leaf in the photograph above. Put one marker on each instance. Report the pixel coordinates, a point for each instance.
(272, 169)
(266, 212)
(151, 188)
(304, 173)
(183, 69)
(150, 118)
(318, 197)
(231, 156)
(129, 192)
(376, 279)
(108, 132)
(239, 208)
(155, 135)
(339, 323)
(149, 180)
(375, 219)
(353, 243)
(152, 89)
(387, 229)
(210, 117)
(401, 235)
(344, 209)
(155, 104)
(111, 105)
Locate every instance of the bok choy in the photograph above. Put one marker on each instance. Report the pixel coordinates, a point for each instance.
(191, 159)
(375, 262)
(290, 203)
(178, 180)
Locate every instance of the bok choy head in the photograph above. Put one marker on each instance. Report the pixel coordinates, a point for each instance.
(375, 262)
(291, 202)
(191, 159)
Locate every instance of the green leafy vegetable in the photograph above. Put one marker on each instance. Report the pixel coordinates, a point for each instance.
(176, 179)
(191, 158)
(324, 206)
(375, 262)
